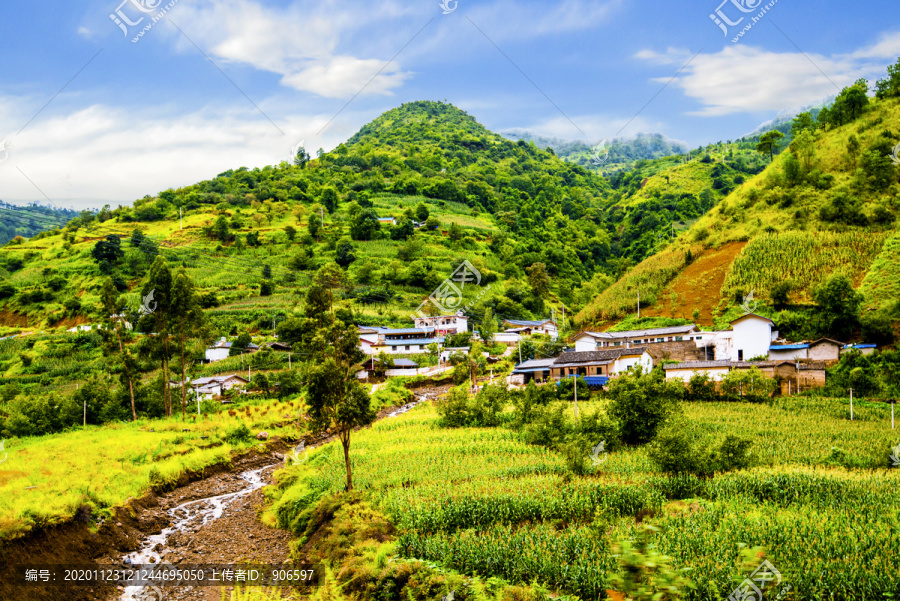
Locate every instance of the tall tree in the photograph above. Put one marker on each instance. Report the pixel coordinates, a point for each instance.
(336, 399)
(159, 284)
(488, 327)
(187, 321)
(113, 309)
(539, 280)
(768, 143)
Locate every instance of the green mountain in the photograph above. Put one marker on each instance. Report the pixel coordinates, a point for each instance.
(826, 204)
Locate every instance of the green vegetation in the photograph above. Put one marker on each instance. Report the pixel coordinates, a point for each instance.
(482, 501)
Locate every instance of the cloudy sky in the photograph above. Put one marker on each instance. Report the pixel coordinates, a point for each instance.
(100, 104)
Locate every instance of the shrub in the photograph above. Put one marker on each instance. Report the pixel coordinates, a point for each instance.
(489, 404)
(596, 427)
(733, 454)
(238, 434)
(455, 408)
(701, 388)
(565, 390)
(749, 385)
(642, 403)
(528, 402)
(550, 428)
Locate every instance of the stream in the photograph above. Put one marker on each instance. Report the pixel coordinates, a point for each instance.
(189, 516)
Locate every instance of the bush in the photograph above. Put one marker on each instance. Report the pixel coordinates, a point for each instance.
(877, 328)
(676, 451)
(702, 388)
(528, 402)
(550, 428)
(596, 427)
(455, 408)
(565, 389)
(489, 404)
(642, 403)
(733, 454)
(238, 434)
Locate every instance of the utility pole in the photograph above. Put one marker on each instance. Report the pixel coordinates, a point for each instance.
(85, 414)
(520, 351)
(639, 303)
(851, 404)
(289, 360)
(181, 217)
(576, 394)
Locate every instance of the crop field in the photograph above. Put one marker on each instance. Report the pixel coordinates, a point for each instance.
(45, 479)
(650, 277)
(482, 501)
(882, 283)
(804, 258)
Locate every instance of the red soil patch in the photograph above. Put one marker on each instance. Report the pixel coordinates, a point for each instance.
(698, 286)
(11, 319)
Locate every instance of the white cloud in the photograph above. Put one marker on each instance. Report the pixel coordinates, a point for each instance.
(743, 78)
(306, 43)
(594, 127)
(102, 154)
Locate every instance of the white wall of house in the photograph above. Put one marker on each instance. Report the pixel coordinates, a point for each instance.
(444, 323)
(716, 373)
(508, 338)
(216, 354)
(625, 363)
(398, 348)
(752, 338)
(585, 343)
(788, 355)
(825, 351)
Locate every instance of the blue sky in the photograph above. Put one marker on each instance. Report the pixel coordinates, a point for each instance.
(92, 114)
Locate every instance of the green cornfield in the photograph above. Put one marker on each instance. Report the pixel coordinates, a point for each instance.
(803, 258)
(483, 502)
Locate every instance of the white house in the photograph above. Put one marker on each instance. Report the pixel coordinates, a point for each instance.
(207, 388)
(716, 370)
(387, 221)
(608, 362)
(406, 341)
(546, 327)
(750, 336)
(594, 341)
(788, 352)
(222, 348)
(444, 325)
(507, 338)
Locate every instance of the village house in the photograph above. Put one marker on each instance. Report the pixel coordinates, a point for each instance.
(387, 221)
(749, 337)
(609, 362)
(537, 370)
(546, 327)
(444, 325)
(392, 341)
(207, 388)
(593, 341)
(865, 349)
(222, 348)
(823, 349)
(811, 373)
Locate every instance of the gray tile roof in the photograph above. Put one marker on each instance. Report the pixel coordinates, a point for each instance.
(644, 333)
(592, 357)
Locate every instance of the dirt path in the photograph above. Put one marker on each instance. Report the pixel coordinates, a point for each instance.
(237, 536)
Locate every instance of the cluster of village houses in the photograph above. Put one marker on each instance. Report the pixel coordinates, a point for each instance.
(683, 351)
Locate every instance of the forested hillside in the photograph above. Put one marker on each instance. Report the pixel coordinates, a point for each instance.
(825, 205)
(28, 221)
